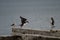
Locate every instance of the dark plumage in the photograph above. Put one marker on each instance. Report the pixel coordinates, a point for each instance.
(52, 23)
(23, 21)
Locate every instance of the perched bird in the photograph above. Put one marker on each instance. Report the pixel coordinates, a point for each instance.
(52, 23)
(23, 21)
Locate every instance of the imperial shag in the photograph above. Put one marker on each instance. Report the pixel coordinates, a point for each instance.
(23, 21)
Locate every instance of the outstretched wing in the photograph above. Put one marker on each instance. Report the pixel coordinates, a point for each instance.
(23, 19)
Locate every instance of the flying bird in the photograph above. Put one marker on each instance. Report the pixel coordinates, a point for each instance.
(23, 21)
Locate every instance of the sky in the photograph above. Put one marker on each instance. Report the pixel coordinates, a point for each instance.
(38, 13)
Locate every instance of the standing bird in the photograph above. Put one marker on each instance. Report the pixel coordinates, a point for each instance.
(52, 23)
(23, 21)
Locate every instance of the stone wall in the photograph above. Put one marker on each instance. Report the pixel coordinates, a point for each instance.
(28, 34)
(11, 37)
(39, 32)
(27, 38)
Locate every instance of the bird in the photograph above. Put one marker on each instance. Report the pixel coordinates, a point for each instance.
(23, 21)
(52, 21)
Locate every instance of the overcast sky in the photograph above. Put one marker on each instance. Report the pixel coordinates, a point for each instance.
(38, 13)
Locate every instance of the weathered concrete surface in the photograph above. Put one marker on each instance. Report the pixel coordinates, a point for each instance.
(11, 37)
(28, 34)
(27, 38)
(39, 32)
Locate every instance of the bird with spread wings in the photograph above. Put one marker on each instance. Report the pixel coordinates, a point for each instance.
(23, 21)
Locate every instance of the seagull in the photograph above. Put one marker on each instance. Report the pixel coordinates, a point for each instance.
(23, 21)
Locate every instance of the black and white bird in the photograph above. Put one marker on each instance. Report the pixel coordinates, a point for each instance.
(23, 21)
(52, 21)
